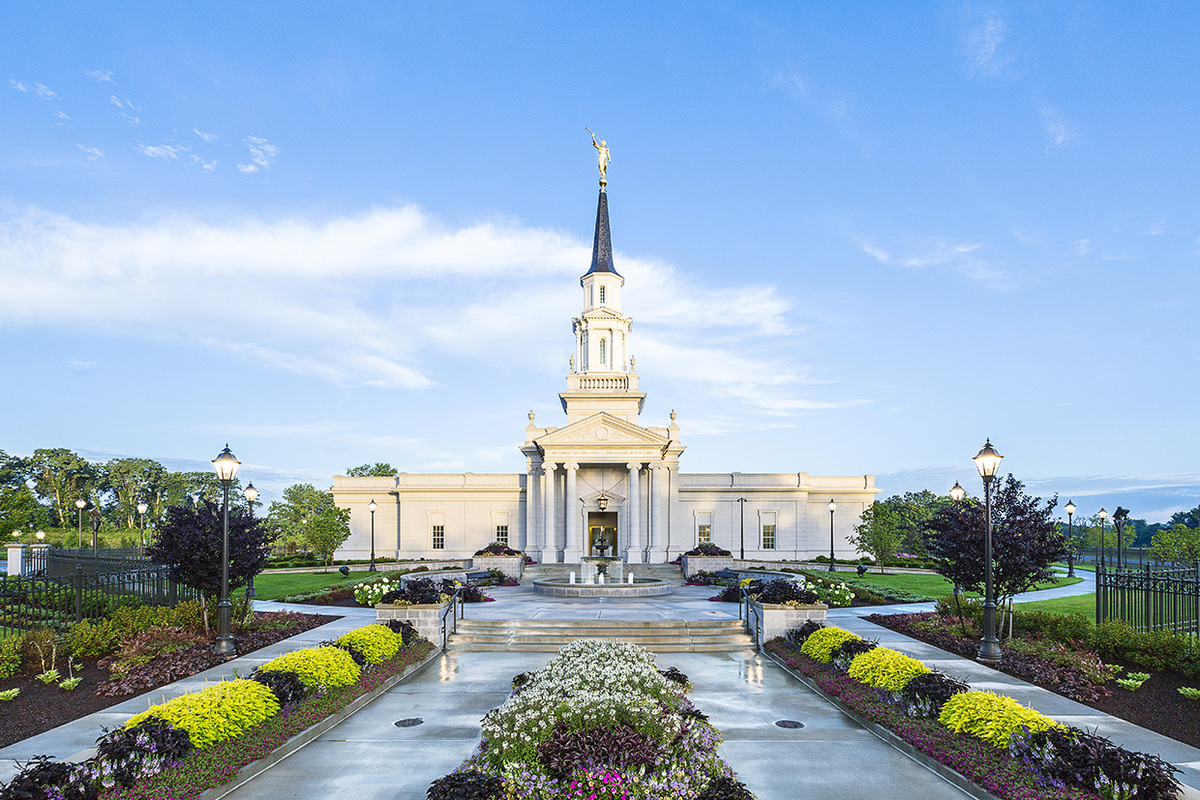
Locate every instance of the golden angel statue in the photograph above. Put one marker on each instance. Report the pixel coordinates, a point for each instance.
(603, 156)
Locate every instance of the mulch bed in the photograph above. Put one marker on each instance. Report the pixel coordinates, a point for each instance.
(1156, 706)
(40, 707)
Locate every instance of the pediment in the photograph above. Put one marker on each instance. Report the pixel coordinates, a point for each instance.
(603, 313)
(602, 429)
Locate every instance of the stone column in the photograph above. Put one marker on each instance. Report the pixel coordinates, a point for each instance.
(633, 553)
(657, 551)
(678, 538)
(528, 542)
(549, 537)
(16, 559)
(571, 552)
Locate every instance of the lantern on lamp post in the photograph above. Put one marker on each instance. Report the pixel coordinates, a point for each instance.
(226, 466)
(251, 494)
(957, 493)
(81, 504)
(987, 462)
(1102, 546)
(832, 508)
(1070, 509)
(142, 508)
(372, 506)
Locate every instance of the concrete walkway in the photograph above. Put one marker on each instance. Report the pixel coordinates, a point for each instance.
(744, 694)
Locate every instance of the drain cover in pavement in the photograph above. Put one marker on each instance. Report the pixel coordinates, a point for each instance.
(783, 723)
(411, 722)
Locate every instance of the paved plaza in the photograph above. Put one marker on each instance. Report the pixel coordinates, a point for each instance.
(744, 693)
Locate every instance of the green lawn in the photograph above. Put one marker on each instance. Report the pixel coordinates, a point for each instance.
(272, 585)
(928, 585)
(1084, 604)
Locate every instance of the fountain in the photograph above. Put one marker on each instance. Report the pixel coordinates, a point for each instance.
(595, 579)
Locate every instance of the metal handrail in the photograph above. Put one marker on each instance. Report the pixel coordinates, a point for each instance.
(456, 610)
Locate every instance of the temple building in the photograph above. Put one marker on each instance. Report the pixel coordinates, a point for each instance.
(602, 475)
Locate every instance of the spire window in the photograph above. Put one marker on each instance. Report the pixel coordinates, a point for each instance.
(601, 295)
(603, 352)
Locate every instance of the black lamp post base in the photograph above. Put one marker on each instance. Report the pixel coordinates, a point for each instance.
(989, 653)
(225, 647)
(372, 568)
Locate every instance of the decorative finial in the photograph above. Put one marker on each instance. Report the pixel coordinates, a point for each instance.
(571, 361)
(632, 362)
(531, 415)
(602, 157)
(672, 415)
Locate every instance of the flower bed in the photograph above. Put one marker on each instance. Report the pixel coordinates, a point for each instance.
(1011, 751)
(182, 747)
(599, 721)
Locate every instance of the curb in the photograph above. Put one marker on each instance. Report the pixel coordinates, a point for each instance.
(306, 736)
(941, 770)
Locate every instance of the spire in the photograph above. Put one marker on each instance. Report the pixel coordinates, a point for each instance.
(602, 260)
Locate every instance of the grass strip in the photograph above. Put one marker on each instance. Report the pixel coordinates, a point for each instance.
(220, 763)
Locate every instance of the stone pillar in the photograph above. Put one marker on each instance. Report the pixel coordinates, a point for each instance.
(528, 542)
(678, 539)
(633, 553)
(571, 552)
(16, 559)
(657, 552)
(549, 536)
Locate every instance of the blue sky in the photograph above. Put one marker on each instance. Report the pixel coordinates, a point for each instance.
(857, 238)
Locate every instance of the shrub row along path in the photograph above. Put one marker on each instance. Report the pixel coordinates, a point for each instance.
(744, 693)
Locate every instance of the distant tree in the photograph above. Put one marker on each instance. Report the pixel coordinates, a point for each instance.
(62, 477)
(1189, 518)
(182, 487)
(1026, 540)
(302, 503)
(1179, 544)
(134, 480)
(879, 532)
(325, 533)
(189, 544)
(380, 469)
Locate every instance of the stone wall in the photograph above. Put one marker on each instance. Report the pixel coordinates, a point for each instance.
(778, 620)
(425, 618)
(512, 566)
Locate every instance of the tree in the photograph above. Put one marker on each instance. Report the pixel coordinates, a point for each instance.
(134, 480)
(879, 533)
(380, 469)
(182, 486)
(326, 532)
(1179, 544)
(62, 477)
(189, 544)
(301, 504)
(1190, 518)
(1026, 540)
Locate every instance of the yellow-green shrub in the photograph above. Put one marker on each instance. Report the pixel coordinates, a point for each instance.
(885, 668)
(377, 643)
(10, 655)
(317, 666)
(89, 639)
(821, 644)
(991, 717)
(217, 713)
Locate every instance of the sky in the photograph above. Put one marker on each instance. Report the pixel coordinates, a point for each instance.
(857, 238)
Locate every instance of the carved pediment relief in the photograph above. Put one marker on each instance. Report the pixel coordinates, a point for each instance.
(600, 430)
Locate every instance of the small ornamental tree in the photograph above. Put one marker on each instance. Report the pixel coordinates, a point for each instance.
(879, 533)
(1026, 540)
(188, 543)
(325, 532)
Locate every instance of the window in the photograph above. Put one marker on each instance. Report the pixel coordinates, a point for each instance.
(603, 349)
(601, 295)
(768, 536)
(502, 534)
(703, 533)
(439, 537)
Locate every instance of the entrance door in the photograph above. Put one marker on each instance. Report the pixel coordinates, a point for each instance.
(602, 526)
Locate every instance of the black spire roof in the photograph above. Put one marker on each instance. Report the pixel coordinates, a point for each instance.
(602, 259)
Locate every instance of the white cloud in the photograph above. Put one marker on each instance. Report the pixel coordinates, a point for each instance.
(983, 42)
(101, 75)
(20, 86)
(44, 92)
(1083, 247)
(92, 153)
(1057, 127)
(62, 116)
(208, 137)
(83, 364)
(167, 152)
(207, 166)
(386, 297)
(262, 155)
(963, 257)
(1157, 229)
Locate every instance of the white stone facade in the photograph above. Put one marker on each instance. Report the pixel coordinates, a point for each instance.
(602, 475)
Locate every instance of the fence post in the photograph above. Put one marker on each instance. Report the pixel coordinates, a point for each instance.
(172, 593)
(1147, 597)
(77, 585)
(1099, 593)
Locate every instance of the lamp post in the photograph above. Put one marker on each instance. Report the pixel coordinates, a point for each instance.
(226, 466)
(1102, 546)
(142, 508)
(372, 506)
(1120, 518)
(1070, 507)
(742, 506)
(251, 494)
(832, 508)
(41, 536)
(987, 461)
(957, 493)
(81, 504)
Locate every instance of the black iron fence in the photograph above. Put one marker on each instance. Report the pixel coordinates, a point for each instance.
(62, 587)
(1150, 598)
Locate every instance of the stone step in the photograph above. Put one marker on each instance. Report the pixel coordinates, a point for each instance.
(548, 635)
(598, 623)
(553, 648)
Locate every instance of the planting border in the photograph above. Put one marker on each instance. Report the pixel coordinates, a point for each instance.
(255, 768)
(943, 771)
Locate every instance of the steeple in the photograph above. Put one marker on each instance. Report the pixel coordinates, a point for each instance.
(602, 260)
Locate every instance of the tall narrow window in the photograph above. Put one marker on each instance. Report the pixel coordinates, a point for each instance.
(439, 537)
(502, 534)
(703, 533)
(601, 295)
(603, 355)
(768, 536)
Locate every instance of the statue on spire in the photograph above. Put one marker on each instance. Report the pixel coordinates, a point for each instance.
(602, 156)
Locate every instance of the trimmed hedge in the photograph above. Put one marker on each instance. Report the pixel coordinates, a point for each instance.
(991, 717)
(217, 713)
(820, 645)
(885, 668)
(377, 643)
(327, 667)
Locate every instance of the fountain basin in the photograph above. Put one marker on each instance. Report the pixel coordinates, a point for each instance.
(641, 587)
